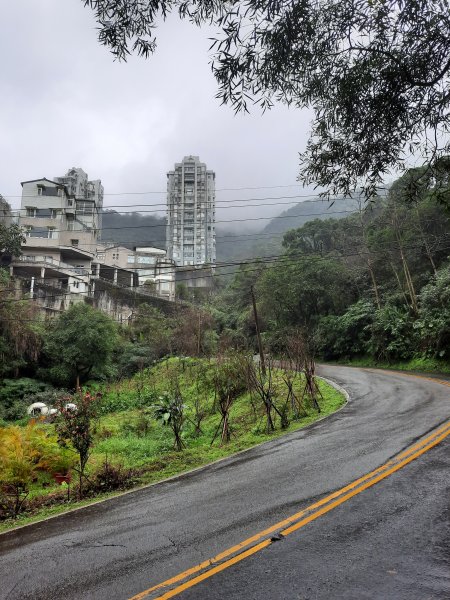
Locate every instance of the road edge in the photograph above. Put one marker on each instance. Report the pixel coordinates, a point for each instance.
(336, 386)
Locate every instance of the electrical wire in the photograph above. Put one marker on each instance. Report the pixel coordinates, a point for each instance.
(237, 189)
(271, 261)
(74, 231)
(291, 200)
(195, 268)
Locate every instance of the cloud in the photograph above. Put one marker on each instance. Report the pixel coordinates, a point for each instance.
(65, 102)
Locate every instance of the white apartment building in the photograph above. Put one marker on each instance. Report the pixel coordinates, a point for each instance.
(88, 198)
(191, 211)
(61, 226)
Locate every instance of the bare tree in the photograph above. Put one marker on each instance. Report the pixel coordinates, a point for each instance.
(291, 367)
(300, 349)
(261, 383)
(229, 383)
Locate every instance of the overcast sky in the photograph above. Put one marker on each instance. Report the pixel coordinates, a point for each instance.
(65, 102)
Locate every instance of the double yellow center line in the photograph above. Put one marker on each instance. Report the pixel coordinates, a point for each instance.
(191, 577)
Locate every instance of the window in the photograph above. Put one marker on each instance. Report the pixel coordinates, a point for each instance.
(85, 208)
(38, 232)
(146, 260)
(74, 242)
(39, 190)
(130, 258)
(51, 233)
(31, 211)
(101, 255)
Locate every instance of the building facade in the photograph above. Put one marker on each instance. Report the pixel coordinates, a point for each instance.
(191, 214)
(58, 248)
(88, 197)
(150, 266)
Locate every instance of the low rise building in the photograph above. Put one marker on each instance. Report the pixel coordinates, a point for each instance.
(150, 265)
(58, 246)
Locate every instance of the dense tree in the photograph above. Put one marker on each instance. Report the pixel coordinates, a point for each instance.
(153, 329)
(11, 240)
(20, 330)
(375, 73)
(295, 291)
(375, 283)
(80, 342)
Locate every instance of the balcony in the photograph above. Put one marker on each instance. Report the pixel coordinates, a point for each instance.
(48, 262)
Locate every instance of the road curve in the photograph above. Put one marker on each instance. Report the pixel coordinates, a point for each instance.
(118, 548)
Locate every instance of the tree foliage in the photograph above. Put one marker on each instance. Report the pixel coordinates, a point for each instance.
(376, 74)
(20, 330)
(375, 283)
(80, 341)
(74, 425)
(11, 240)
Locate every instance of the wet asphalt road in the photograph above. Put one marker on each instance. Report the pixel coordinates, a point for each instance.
(391, 541)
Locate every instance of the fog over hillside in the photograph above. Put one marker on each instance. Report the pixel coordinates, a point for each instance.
(234, 241)
(232, 246)
(134, 229)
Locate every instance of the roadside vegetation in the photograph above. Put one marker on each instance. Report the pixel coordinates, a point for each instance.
(172, 417)
(169, 392)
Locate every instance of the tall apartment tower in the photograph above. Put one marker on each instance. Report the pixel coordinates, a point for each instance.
(191, 213)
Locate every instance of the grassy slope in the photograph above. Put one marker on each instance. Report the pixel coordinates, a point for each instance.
(119, 435)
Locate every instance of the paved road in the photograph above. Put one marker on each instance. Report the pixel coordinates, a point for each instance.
(390, 541)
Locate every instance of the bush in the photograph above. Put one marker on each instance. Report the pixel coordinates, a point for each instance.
(346, 335)
(393, 336)
(109, 478)
(433, 325)
(17, 394)
(24, 452)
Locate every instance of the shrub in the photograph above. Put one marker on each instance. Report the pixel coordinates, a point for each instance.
(24, 451)
(109, 478)
(346, 335)
(393, 336)
(75, 426)
(17, 394)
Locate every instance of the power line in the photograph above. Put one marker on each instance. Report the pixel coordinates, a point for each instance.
(106, 210)
(217, 265)
(267, 261)
(237, 189)
(74, 231)
(220, 238)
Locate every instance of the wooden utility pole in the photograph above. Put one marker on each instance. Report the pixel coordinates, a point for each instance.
(199, 332)
(258, 335)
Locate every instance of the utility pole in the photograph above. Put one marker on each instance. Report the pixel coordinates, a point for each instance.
(258, 334)
(199, 332)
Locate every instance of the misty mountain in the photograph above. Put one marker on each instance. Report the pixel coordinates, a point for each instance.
(301, 213)
(267, 241)
(133, 229)
(136, 229)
